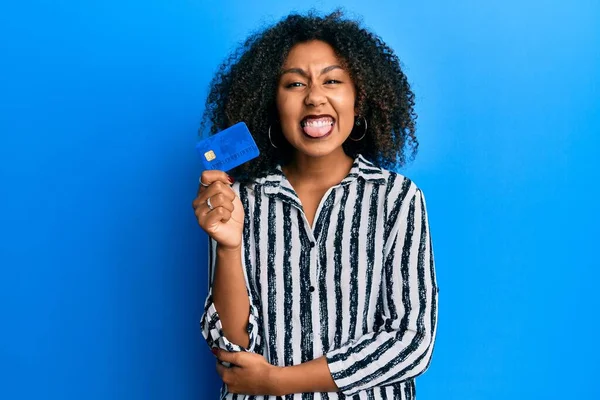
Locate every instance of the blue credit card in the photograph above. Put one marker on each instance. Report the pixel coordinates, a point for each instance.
(228, 148)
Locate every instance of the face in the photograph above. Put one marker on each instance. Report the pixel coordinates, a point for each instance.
(315, 100)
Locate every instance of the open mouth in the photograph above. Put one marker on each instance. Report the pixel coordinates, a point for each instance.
(317, 126)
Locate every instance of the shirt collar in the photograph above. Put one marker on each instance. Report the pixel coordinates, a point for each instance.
(275, 183)
(364, 169)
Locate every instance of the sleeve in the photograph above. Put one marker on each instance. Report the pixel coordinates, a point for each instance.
(212, 329)
(401, 348)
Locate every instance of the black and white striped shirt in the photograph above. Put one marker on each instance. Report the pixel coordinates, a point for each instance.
(358, 286)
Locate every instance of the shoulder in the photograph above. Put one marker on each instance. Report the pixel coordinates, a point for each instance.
(396, 185)
(392, 186)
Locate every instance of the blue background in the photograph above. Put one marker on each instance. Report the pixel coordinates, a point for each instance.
(102, 265)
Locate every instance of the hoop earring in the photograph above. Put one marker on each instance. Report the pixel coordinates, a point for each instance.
(270, 140)
(357, 123)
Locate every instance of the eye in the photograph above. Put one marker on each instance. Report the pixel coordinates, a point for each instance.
(294, 84)
(332, 81)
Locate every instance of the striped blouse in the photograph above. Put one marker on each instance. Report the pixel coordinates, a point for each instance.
(357, 287)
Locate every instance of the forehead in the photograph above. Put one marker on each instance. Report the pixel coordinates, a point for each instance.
(315, 52)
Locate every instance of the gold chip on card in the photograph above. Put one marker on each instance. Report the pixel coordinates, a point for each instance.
(210, 155)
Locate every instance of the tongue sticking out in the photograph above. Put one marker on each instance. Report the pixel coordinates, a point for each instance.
(317, 131)
(317, 128)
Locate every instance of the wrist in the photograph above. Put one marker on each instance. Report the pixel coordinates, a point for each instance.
(277, 381)
(229, 250)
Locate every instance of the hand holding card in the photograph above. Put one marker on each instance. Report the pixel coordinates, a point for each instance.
(218, 208)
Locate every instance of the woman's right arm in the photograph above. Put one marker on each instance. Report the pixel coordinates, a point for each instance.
(229, 320)
(230, 295)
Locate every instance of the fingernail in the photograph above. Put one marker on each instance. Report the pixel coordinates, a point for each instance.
(215, 351)
(231, 180)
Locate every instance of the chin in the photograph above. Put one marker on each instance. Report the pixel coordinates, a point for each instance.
(318, 149)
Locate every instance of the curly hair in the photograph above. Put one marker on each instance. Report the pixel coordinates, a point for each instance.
(245, 86)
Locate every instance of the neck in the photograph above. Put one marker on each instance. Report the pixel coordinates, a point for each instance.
(323, 171)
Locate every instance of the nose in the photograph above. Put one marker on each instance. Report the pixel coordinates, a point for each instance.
(315, 97)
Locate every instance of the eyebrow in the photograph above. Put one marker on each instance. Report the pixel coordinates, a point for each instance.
(302, 72)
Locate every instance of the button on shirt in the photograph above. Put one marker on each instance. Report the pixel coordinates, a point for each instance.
(357, 287)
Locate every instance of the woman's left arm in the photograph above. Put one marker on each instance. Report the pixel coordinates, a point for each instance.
(401, 349)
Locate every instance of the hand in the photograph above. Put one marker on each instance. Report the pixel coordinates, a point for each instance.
(225, 221)
(250, 373)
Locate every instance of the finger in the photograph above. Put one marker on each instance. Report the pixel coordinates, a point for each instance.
(200, 188)
(209, 219)
(221, 369)
(221, 200)
(230, 357)
(210, 176)
(216, 202)
(215, 189)
(201, 214)
(218, 198)
(215, 216)
(202, 184)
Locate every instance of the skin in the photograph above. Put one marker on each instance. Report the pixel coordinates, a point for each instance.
(225, 225)
(313, 83)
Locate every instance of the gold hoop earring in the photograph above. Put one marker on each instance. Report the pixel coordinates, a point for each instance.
(270, 140)
(357, 123)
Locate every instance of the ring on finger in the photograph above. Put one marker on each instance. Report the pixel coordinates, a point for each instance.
(202, 183)
(208, 203)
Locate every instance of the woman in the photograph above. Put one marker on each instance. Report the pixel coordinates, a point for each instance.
(323, 284)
